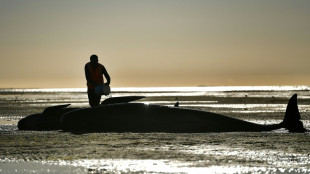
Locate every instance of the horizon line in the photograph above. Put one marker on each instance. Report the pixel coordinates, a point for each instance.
(169, 89)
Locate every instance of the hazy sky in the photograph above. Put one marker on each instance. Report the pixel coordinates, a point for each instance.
(46, 44)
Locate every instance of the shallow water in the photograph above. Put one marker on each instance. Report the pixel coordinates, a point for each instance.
(56, 151)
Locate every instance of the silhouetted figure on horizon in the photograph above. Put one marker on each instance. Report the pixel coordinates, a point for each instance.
(94, 72)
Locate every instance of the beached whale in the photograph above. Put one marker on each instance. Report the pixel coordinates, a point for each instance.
(49, 119)
(140, 117)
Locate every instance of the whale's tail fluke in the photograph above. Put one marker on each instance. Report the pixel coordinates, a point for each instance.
(292, 117)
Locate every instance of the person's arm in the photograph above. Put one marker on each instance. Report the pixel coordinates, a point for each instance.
(106, 75)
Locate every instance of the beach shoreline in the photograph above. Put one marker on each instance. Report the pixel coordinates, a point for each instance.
(8, 122)
(232, 152)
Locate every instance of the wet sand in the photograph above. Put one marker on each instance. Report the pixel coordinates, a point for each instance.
(53, 151)
(8, 122)
(275, 150)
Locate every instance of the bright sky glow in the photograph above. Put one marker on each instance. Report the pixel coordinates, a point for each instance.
(46, 44)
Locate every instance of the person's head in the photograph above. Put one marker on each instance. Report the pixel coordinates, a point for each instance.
(94, 59)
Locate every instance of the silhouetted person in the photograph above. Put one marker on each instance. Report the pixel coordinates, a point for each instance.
(94, 72)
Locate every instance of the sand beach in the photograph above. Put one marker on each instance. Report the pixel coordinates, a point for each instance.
(254, 152)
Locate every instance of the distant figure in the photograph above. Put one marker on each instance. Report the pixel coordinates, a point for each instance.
(94, 75)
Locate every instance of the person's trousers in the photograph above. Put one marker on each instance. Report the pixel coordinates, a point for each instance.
(93, 99)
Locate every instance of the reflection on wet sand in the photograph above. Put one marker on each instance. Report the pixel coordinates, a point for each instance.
(262, 152)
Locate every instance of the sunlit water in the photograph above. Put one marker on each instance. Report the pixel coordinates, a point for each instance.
(61, 152)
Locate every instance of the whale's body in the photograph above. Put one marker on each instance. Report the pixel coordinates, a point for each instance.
(140, 117)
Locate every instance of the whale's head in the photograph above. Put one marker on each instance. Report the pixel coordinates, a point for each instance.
(29, 122)
(47, 120)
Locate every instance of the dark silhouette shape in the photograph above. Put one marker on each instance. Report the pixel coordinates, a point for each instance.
(126, 99)
(139, 117)
(292, 117)
(94, 72)
(176, 104)
(49, 119)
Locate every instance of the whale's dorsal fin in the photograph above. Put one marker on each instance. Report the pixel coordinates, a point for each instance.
(176, 104)
(292, 116)
(54, 108)
(123, 99)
